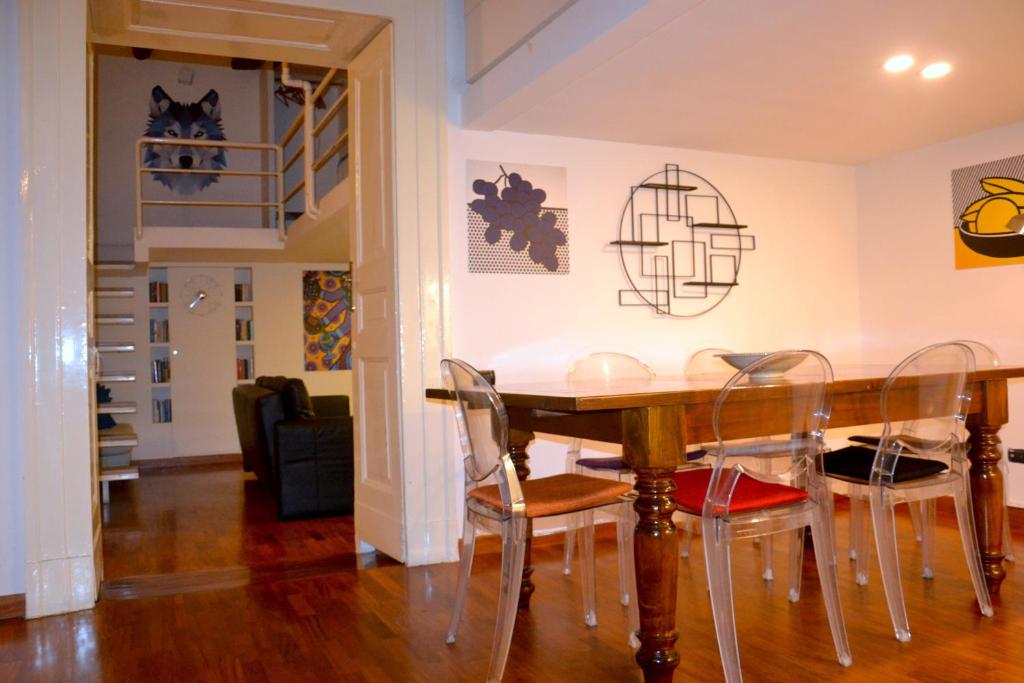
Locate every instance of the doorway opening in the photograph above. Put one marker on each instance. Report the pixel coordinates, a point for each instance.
(222, 223)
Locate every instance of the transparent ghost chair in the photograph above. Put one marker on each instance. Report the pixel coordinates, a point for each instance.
(606, 369)
(915, 460)
(922, 513)
(734, 501)
(508, 506)
(707, 364)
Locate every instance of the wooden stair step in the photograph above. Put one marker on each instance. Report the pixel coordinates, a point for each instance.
(118, 435)
(115, 347)
(115, 292)
(117, 408)
(116, 377)
(115, 319)
(119, 473)
(115, 265)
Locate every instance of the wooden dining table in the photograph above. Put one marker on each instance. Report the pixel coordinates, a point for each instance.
(655, 419)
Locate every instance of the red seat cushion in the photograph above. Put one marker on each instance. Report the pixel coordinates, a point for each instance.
(750, 494)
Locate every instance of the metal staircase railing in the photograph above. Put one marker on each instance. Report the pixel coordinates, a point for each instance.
(306, 121)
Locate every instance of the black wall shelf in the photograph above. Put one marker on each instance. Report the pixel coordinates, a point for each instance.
(669, 186)
(637, 243)
(711, 284)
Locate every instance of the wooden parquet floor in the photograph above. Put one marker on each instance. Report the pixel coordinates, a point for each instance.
(204, 584)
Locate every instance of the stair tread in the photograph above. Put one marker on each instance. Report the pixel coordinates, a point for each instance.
(115, 318)
(117, 408)
(116, 377)
(119, 473)
(115, 347)
(115, 292)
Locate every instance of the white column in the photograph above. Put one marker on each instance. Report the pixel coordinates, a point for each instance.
(12, 520)
(60, 574)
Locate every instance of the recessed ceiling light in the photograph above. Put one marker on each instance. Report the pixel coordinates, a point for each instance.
(899, 63)
(936, 70)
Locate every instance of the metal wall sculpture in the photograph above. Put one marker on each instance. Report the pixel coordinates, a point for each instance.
(680, 244)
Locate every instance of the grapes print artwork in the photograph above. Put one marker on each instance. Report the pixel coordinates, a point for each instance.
(517, 220)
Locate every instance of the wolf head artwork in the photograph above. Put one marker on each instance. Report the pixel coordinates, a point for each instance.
(193, 121)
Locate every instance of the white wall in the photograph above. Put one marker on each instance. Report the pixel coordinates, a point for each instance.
(911, 294)
(277, 290)
(798, 289)
(278, 346)
(12, 519)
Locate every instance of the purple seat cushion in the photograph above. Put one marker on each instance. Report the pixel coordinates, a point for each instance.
(619, 464)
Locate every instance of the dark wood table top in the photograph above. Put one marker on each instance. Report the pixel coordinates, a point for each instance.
(562, 396)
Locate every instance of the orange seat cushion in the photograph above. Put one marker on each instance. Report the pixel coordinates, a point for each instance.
(558, 495)
(749, 494)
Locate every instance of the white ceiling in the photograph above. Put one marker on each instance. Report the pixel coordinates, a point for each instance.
(256, 29)
(797, 79)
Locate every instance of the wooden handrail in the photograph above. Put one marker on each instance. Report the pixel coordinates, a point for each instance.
(330, 113)
(319, 163)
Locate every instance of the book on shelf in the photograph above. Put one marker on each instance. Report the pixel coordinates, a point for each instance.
(243, 368)
(160, 371)
(243, 329)
(243, 292)
(159, 331)
(161, 410)
(157, 292)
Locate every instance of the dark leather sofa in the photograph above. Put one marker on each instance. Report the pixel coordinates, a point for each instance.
(299, 447)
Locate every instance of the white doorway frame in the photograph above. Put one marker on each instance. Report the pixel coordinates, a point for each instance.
(53, 383)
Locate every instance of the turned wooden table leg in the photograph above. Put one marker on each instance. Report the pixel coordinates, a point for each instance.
(987, 480)
(653, 442)
(518, 440)
(656, 553)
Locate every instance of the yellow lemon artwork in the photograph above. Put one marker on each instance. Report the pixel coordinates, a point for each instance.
(989, 228)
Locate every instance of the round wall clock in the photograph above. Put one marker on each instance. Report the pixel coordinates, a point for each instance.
(201, 295)
(680, 244)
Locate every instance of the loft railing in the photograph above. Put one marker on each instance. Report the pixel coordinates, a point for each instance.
(305, 121)
(277, 174)
(311, 131)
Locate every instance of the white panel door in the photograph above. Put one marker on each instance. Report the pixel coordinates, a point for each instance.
(378, 504)
(202, 351)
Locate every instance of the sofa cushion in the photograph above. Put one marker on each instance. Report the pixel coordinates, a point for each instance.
(295, 398)
(248, 420)
(272, 382)
(331, 406)
(271, 412)
(296, 401)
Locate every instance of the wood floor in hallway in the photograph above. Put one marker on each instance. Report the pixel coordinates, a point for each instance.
(204, 584)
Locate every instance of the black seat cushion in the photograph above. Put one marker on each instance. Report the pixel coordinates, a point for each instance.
(854, 464)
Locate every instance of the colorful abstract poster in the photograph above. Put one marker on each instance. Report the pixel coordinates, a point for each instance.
(517, 218)
(327, 319)
(988, 214)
